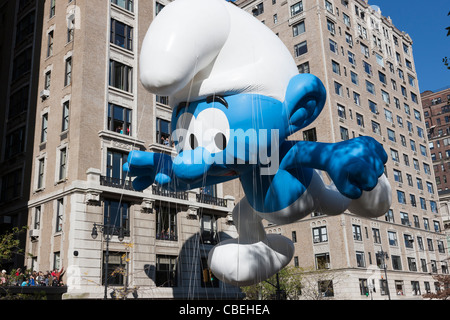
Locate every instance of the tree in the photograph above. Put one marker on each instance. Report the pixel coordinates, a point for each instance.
(296, 283)
(10, 244)
(287, 282)
(444, 288)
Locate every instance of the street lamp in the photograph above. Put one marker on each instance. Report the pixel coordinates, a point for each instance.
(108, 231)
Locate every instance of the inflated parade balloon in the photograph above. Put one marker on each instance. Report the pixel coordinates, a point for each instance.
(237, 96)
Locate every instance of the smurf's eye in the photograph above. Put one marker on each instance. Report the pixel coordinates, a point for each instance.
(215, 130)
(220, 140)
(193, 141)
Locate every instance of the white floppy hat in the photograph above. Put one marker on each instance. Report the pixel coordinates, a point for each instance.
(196, 48)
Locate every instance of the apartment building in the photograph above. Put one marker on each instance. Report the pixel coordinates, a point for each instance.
(20, 38)
(436, 106)
(367, 67)
(91, 112)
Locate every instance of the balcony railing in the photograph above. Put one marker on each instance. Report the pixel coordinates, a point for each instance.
(171, 194)
(116, 183)
(208, 199)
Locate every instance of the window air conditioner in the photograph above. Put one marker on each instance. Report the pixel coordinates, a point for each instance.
(44, 94)
(34, 233)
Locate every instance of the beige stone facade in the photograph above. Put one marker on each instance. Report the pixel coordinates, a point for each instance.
(91, 113)
(367, 67)
(75, 180)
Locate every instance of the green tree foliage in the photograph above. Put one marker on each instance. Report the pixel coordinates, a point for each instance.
(10, 244)
(289, 283)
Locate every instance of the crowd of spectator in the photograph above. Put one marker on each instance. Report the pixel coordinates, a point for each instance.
(18, 277)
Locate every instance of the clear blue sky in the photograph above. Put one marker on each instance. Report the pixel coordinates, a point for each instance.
(425, 22)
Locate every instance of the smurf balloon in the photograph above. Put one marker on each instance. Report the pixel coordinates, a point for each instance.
(236, 97)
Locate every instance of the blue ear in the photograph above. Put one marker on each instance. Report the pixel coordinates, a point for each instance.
(305, 98)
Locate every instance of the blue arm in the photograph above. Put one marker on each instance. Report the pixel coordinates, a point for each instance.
(354, 165)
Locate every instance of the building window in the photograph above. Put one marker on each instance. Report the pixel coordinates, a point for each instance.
(333, 46)
(65, 117)
(354, 78)
(18, 102)
(408, 241)
(258, 9)
(22, 64)
(120, 76)
(166, 223)
(163, 129)
(208, 229)
(344, 133)
(320, 234)
(298, 28)
(376, 235)
(360, 260)
(158, 8)
(300, 49)
(326, 288)
(415, 287)
(360, 120)
(15, 143)
(62, 164)
(59, 214)
(338, 89)
(310, 135)
(68, 72)
(351, 58)
(52, 8)
(396, 262)
(296, 8)
(11, 185)
(303, 68)
(331, 26)
(392, 236)
(37, 218)
(119, 119)
(336, 67)
(126, 4)
(121, 34)
(166, 271)
(50, 44)
(48, 78)
(41, 173)
(328, 6)
(376, 128)
(56, 260)
(357, 232)
(401, 197)
(367, 68)
(116, 268)
(114, 167)
(357, 98)
(370, 87)
(389, 216)
(404, 218)
(116, 215)
(70, 30)
(322, 261)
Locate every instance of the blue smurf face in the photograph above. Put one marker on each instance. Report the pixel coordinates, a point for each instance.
(228, 132)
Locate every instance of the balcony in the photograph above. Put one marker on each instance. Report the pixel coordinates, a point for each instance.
(116, 183)
(171, 194)
(208, 199)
